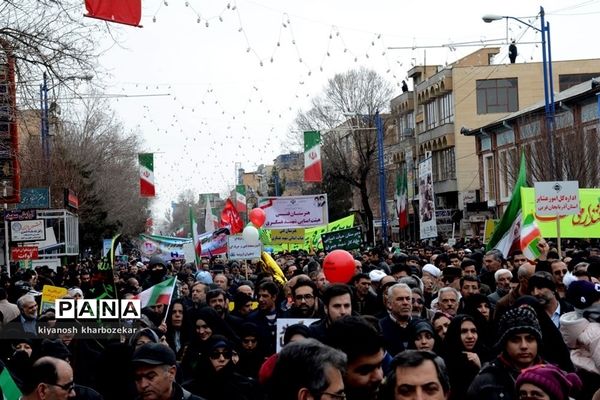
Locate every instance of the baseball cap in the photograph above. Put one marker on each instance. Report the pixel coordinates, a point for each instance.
(154, 354)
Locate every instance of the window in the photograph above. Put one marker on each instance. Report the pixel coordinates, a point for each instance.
(444, 165)
(589, 112)
(446, 108)
(407, 125)
(530, 130)
(489, 185)
(563, 120)
(507, 170)
(485, 142)
(506, 137)
(497, 95)
(569, 80)
(431, 117)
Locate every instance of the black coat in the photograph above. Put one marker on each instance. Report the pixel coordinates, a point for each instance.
(395, 337)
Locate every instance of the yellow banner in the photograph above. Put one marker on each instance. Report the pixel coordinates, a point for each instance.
(584, 225)
(312, 236)
(51, 293)
(287, 236)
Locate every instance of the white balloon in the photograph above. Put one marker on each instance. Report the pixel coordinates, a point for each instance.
(250, 235)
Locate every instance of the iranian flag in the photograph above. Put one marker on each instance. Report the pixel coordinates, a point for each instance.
(240, 198)
(211, 222)
(195, 238)
(160, 293)
(312, 157)
(401, 200)
(507, 234)
(123, 12)
(147, 188)
(530, 237)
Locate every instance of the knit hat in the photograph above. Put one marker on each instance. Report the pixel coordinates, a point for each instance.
(432, 270)
(582, 294)
(557, 384)
(518, 320)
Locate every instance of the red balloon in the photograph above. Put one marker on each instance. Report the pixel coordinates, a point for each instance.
(338, 266)
(258, 217)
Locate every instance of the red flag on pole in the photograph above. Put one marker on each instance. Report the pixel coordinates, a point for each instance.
(128, 12)
(231, 217)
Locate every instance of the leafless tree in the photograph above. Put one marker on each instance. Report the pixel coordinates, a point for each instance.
(345, 115)
(50, 36)
(92, 155)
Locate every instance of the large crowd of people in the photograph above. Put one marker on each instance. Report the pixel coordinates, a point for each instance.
(432, 321)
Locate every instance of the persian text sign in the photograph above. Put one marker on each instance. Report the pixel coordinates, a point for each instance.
(24, 253)
(557, 198)
(585, 224)
(238, 249)
(346, 239)
(50, 294)
(287, 236)
(294, 211)
(30, 230)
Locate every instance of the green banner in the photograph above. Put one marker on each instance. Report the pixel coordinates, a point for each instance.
(345, 239)
(584, 225)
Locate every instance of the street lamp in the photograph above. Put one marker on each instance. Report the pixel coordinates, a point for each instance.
(549, 106)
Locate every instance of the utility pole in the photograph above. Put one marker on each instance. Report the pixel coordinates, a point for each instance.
(382, 191)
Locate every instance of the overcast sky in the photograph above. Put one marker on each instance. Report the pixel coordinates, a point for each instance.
(205, 93)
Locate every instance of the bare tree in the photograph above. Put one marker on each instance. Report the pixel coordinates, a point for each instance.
(50, 36)
(345, 114)
(91, 155)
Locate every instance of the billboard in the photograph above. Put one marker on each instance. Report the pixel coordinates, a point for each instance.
(427, 220)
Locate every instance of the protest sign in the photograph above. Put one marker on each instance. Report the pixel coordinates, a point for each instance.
(345, 239)
(557, 198)
(287, 236)
(24, 253)
(585, 224)
(49, 294)
(238, 249)
(28, 230)
(294, 211)
(282, 325)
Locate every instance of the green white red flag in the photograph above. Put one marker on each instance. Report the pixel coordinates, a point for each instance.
(195, 237)
(507, 234)
(211, 222)
(160, 293)
(402, 200)
(313, 171)
(530, 237)
(240, 198)
(147, 188)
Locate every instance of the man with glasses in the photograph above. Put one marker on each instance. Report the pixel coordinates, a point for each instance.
(51, 379)
(308, 369)
(559, 270)
(154, 368)
(305, 303)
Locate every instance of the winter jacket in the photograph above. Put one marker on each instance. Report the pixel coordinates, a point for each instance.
(495, 381)
(583, 338)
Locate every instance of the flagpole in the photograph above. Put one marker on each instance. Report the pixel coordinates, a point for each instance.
(558, 236)
(170, 301)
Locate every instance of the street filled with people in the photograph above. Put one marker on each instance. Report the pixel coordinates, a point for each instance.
(414, 321)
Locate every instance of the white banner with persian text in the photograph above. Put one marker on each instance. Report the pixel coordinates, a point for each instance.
(238, 249)
(289, 212)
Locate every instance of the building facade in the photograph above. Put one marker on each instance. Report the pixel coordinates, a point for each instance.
(474, 91)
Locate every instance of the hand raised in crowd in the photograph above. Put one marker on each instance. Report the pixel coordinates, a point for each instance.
(473, 358)
(544, 249)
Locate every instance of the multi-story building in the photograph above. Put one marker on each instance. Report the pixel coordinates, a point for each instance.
(575, 139)
(471, 92)
(288, 173)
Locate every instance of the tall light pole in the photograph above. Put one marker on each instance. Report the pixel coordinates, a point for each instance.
(549, 106)
(382, 198)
